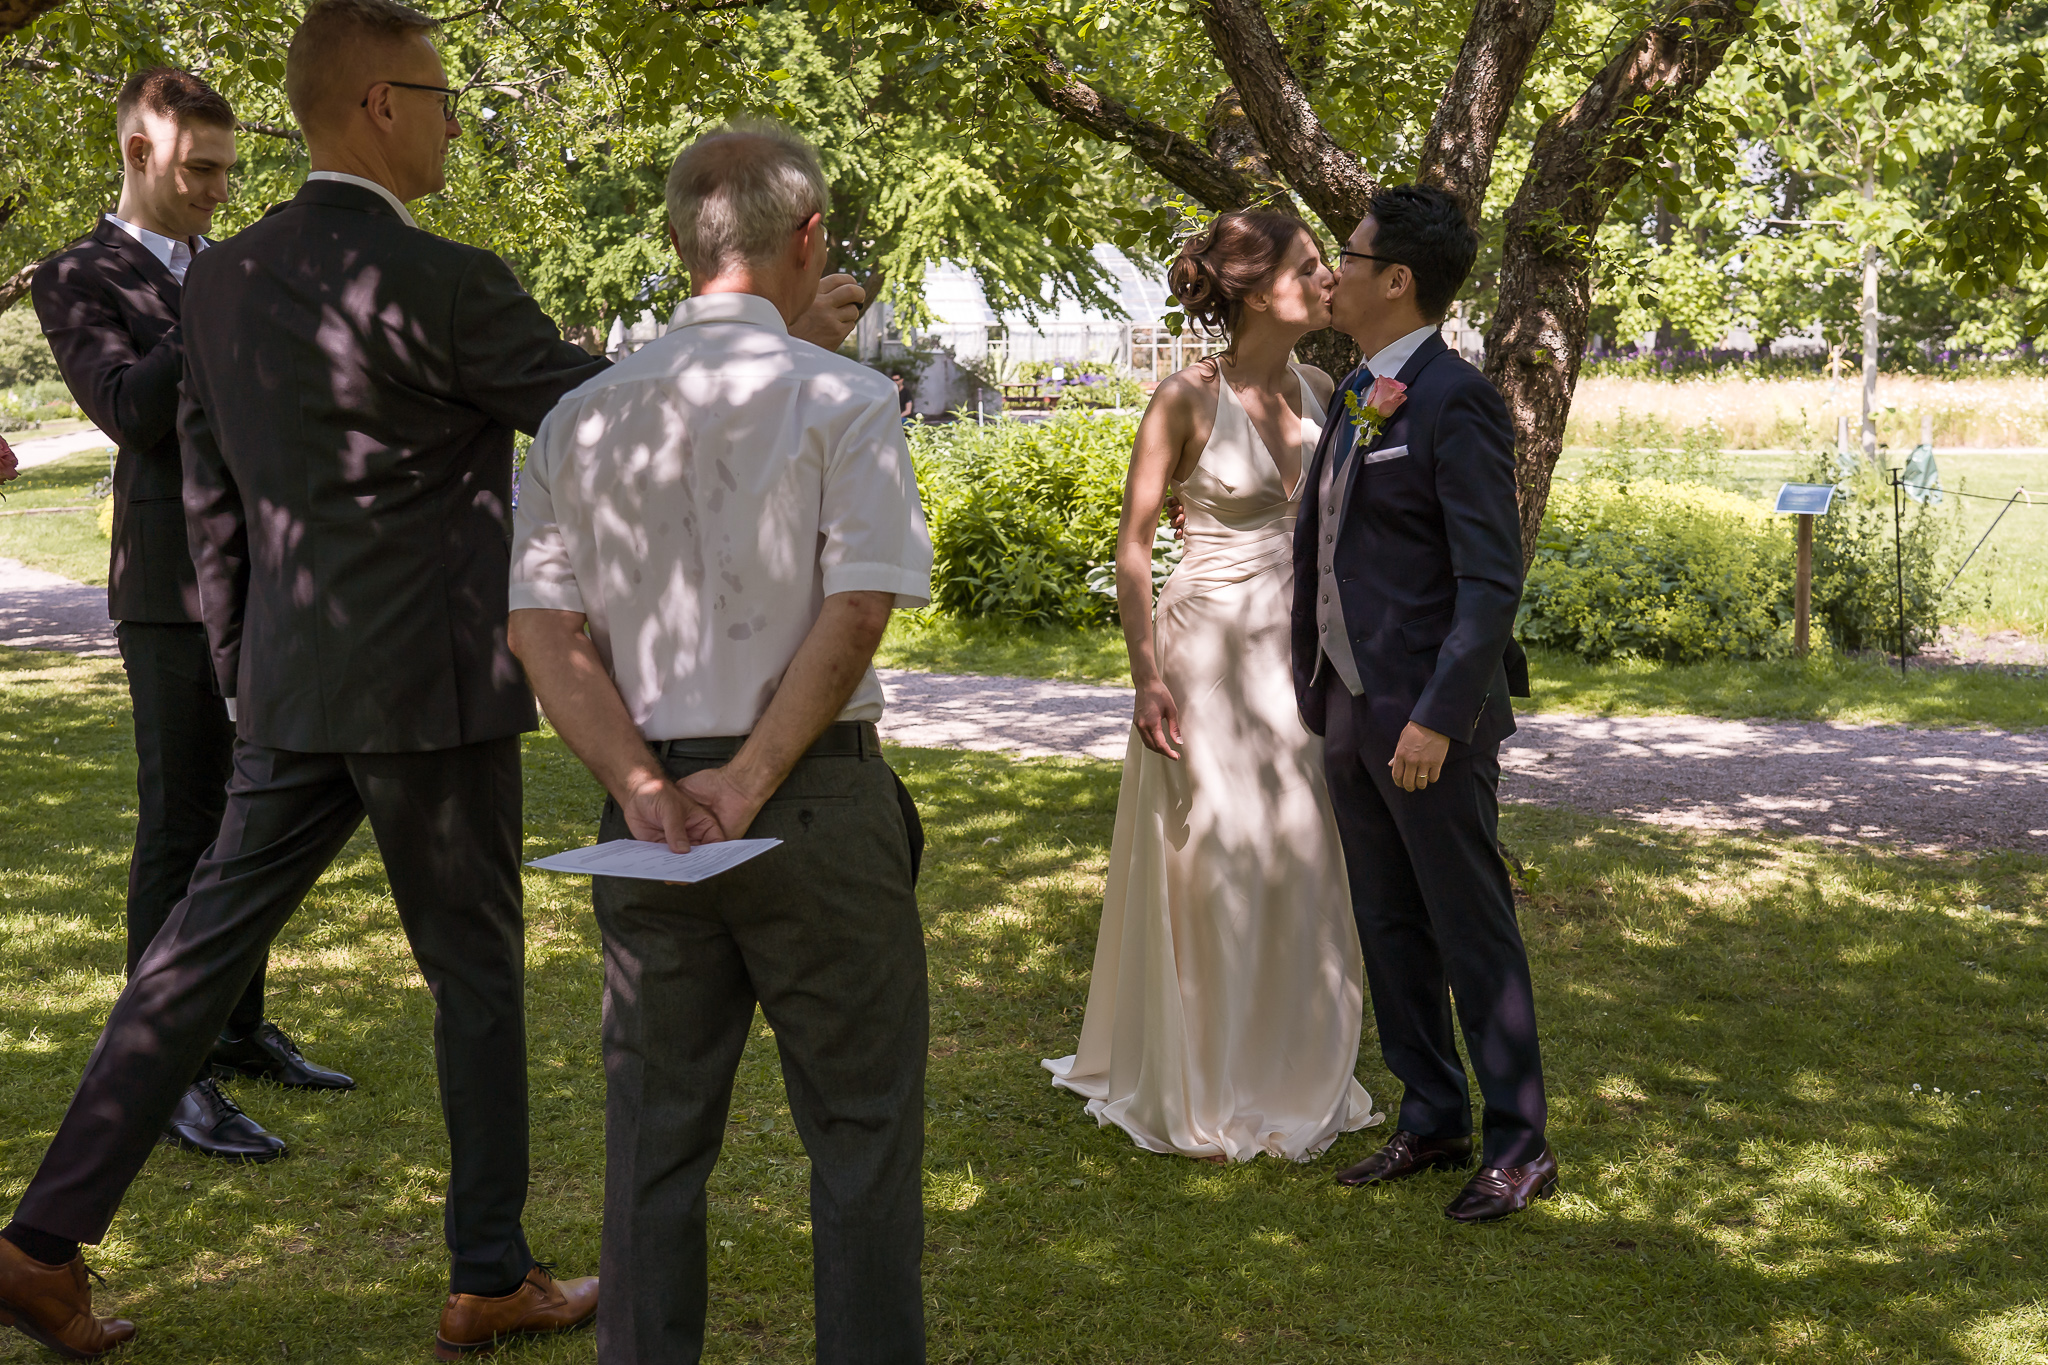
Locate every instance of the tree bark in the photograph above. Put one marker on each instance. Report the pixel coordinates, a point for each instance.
(16, 15)
(1326, 175)
(1457, 154)
(1869, 428)
(1582, 159)
(14, 288)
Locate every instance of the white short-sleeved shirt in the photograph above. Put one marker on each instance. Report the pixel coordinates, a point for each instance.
(699, 501)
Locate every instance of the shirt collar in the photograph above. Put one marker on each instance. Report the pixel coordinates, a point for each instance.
(175, 255)
(1387, 363)
(397, 206)
(751, 309)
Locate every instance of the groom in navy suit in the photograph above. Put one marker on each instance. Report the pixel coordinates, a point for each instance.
(1407, 574)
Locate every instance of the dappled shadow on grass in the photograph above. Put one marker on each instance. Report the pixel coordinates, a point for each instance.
(1732, 1028)
(1732, 1024)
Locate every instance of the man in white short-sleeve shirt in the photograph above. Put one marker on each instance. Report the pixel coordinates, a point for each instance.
(709, 541)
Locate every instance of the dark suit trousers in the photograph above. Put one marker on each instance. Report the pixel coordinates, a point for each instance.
(447, 824)
(184, 751)
(1436, 918)
(823, 933)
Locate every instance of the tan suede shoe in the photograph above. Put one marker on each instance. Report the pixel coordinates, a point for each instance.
(52, 1304)
(472, 1324)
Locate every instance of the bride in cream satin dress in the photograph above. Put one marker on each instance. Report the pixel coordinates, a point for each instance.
(1223, 1014)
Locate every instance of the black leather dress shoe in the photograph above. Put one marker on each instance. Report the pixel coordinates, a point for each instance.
(1408, 1154)
(1497, 1191)
(269, 1054)
(208, 1121)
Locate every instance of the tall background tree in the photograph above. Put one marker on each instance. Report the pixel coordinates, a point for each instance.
(1012, 135)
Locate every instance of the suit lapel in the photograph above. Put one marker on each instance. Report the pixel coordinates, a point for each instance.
(144, 262)
(1333, 418)
(1432, 346)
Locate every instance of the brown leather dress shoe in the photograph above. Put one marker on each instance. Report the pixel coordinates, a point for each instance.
(472, 1324)
(1497, 1191)
(52, 1304)
(1408, 1154)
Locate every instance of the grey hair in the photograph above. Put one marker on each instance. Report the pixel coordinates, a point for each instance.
(736, 194)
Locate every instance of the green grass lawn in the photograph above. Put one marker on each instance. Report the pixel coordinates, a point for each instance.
(1797, 1091)
(68, 543)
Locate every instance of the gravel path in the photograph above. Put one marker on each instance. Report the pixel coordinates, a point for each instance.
(1918, 788)
(41, 610)
(44, 449)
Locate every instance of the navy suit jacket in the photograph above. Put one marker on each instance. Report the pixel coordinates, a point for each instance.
(110, 310)
(1428, 558)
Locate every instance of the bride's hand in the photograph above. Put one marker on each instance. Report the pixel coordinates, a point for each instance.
(1157, 718)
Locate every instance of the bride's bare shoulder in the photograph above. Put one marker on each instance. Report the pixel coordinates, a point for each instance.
(1189, 392)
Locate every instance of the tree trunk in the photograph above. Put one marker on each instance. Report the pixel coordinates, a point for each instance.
(1330, 351)
(16, 15)
(1457, 153)
(1582, 159)
(1869, 430)
(15, 287)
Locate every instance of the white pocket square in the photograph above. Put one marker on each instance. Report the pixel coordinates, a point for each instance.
(1390, 453)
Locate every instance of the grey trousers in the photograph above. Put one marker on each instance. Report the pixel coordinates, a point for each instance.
(823, 933)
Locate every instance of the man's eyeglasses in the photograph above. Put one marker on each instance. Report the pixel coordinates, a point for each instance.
(1368, 256)
(448, 97)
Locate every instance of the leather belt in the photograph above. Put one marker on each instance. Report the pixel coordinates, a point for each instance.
(842, 739)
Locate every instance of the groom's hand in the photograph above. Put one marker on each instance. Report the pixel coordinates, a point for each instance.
(1419, 758)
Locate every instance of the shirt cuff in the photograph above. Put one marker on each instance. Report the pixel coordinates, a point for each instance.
(546, 596)
(912, 587)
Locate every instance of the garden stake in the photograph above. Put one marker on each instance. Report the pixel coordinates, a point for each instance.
(1899, 559)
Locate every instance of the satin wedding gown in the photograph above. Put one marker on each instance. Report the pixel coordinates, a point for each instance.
(1223, 1014)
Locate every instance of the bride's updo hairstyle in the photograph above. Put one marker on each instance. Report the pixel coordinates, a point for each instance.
(1238, 255)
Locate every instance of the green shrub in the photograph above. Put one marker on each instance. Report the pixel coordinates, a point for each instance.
(1678, 572)
(25, 357)
(1857, 568)
(1020, 512)
(1683, 572)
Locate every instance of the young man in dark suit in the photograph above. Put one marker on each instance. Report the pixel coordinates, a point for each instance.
(352, 386)
(1407, 574)
(109, 304)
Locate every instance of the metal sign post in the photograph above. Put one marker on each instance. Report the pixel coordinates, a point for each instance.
(1806, 501)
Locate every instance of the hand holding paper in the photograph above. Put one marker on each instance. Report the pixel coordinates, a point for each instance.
(654, 861)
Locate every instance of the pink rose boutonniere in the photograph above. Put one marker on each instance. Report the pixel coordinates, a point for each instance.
(1381, 402)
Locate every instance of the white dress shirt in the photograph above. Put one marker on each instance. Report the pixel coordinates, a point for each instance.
(343, 177)
(176, 255)
(1386, 362)
(698, 502)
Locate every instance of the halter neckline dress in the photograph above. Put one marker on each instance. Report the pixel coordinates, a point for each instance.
(1224, 1009)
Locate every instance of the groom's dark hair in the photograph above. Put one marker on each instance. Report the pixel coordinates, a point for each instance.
(1424, 228)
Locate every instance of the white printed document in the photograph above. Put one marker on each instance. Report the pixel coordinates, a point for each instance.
(654, 862)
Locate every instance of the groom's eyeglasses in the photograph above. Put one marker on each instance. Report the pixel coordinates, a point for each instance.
(1343, 254)
(448, 97)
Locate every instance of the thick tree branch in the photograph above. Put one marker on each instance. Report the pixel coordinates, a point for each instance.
(1329, 178)
(15, 287)
(1171, 155)
(1457, 154)
(16, 15)
(1583, 158)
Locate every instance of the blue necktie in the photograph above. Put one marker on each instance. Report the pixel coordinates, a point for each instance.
(1360, 383)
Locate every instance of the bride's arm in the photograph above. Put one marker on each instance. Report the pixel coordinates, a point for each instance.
(1163, 435)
